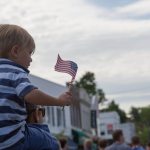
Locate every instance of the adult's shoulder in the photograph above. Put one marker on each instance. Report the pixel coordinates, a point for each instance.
(110, 147)
(127, 147)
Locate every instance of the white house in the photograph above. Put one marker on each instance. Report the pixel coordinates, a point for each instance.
(108, 122)
(95, 115)
(80, 115)
(128, 131)
(85, 106)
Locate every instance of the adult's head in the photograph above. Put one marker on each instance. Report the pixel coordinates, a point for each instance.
(35, 113)
(118, 136)
(102, 143)
(63, 143)
(135, 140)
(148, 146)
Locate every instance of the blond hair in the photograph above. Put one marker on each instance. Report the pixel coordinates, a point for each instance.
(11, 35)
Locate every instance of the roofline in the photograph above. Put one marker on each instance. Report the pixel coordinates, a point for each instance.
(47, 80)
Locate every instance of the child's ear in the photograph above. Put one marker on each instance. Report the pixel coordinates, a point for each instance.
(15, 51)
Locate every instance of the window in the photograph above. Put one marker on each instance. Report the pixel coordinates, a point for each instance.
(102, 133)
(60, 117)
(53, 116)
(50, 116)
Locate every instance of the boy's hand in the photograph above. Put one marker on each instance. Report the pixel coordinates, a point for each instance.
(65, 99)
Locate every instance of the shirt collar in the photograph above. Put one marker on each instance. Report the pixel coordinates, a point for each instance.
(10, 62)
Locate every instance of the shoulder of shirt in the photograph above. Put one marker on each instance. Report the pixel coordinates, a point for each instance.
(15, 68)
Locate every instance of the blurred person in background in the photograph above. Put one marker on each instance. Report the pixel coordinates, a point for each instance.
(88, 144)
(118, 142)
(63, 143)
(102, 144)
(136, 143)
(95, 141)
(148, 146)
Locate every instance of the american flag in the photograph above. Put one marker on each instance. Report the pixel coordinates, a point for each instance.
(66, 66)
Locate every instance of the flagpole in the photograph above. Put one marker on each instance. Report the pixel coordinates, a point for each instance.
(70, 85)
(66, 66)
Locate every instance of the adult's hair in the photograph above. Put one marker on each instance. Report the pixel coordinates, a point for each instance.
(13, 35)
(135, 140)
(102, 143)
(63, 142)
(148, 144)
(117, 134)
(30, 109)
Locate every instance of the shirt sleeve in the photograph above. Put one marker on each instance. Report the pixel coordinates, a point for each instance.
(22, 85)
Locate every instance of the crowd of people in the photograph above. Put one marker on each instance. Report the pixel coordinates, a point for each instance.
(117, 144)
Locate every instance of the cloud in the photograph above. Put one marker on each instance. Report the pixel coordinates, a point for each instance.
(138, 8)
(112, 44)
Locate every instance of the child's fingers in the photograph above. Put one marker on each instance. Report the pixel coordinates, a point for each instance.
(69, 93)
(70, 86)
(69, 99)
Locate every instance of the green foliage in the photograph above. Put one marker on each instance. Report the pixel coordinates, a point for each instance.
(87, 82)
(141, 118)
(101, 94)
(135, 114)
(141, 115)
(144, 114)
(112, 106)
(143, 133)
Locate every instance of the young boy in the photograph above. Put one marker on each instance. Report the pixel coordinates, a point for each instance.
(16, 48)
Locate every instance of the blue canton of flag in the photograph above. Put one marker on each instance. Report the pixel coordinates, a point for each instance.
(66, 66)
(74, 66)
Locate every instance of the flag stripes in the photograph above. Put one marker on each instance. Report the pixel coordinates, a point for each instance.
(66, 66)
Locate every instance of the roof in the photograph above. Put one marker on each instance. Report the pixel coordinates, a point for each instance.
(47, 86)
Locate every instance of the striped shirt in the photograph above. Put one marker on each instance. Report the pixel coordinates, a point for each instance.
(14, 85)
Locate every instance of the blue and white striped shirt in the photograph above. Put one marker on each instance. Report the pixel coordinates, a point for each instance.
(14, 85)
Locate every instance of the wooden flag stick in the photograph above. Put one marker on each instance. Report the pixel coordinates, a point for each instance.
(70, 85)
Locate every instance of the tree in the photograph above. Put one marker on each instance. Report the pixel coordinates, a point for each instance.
(144, 115)
(87, 82)
(141, 118)
(112, 106)
(101, 95)
(135, 114)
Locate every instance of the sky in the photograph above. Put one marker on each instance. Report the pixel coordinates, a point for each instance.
(107, 37)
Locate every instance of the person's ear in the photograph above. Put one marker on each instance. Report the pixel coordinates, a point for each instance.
(14, 52)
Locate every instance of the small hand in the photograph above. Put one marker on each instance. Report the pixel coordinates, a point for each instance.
(65, 99)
